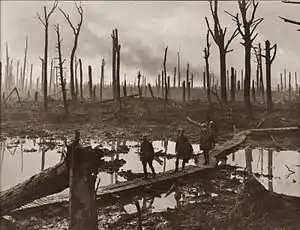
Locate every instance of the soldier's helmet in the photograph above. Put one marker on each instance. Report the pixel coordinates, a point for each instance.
(180, 130)
(144, 137)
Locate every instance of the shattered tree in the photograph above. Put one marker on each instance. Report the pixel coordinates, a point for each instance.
(219, 37)
(61, 69)
(76, 32)
(269, 61)
(206, 57)
(45, 22)
(249, 26)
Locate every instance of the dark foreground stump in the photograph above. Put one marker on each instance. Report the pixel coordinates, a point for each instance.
(84, 163)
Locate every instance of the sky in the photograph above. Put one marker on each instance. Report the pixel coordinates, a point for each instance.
(145, 29)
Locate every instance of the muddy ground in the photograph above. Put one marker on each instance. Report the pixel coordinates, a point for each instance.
(96, 119)
(197, 207)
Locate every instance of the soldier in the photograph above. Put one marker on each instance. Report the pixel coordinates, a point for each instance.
(147, 156)
(205, 142)
(212, 133)
(183, 149)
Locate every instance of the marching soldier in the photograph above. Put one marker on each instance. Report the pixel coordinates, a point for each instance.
(212, 133)
(147, 156)
(205, 142)
(183, 149)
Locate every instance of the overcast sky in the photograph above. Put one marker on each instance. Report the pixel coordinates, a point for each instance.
(145, 28)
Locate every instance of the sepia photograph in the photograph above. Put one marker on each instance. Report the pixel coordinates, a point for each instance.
(150, 115)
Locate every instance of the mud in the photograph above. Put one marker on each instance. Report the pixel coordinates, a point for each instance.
(28, 119)
(202, 202)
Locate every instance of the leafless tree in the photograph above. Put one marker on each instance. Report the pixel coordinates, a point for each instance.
(76, 32)
(246, 30)
(206, 57)
(289, 20)
(61, 69)
(45, 22)
(219, 37)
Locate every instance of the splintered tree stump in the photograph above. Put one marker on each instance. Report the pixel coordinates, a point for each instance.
(84, 163)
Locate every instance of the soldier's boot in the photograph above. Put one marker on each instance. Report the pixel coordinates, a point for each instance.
(205, 158)
(176, 164)
(152, 169)
(145, 170)
(183, 164)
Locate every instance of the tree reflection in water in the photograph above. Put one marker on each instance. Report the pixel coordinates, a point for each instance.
(270, 170)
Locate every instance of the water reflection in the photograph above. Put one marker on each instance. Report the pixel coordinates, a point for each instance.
(20, 159)
(23, 158)
(273, 169)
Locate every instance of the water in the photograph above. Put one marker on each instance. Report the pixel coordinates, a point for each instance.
(276, 171)
(17, 164)
(23, 158)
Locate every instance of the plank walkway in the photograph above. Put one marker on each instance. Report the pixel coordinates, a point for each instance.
(114, 189)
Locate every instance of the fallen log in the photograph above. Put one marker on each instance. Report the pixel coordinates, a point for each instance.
(50, 181)
(110, 100)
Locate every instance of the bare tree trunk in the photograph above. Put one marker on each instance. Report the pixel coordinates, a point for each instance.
(183, 91)
(281, 83)
(118, 52)
(174, 78)
(51, 77)
(150, 89)
(262, 87)
(269, 61)
(178, 66)
(158, 85)
(0, 89)
(169, 88)
(90, 82)
(247, 77)
(296, 83)
(284, 80)
(102, 79)
(187, 78)
(189, 91)
(61, 70)
(165, 83)
(25, 59)
(204, 82)
(139, 84)
(125, 89)
(223, 77)
(81, 79)
(232, 90)
(6, 78)
(253, 91)
(114, 66)
(76, 32)
(290, 86)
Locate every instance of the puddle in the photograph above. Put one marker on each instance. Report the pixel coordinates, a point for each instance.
(23, 158)
(276, 171)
